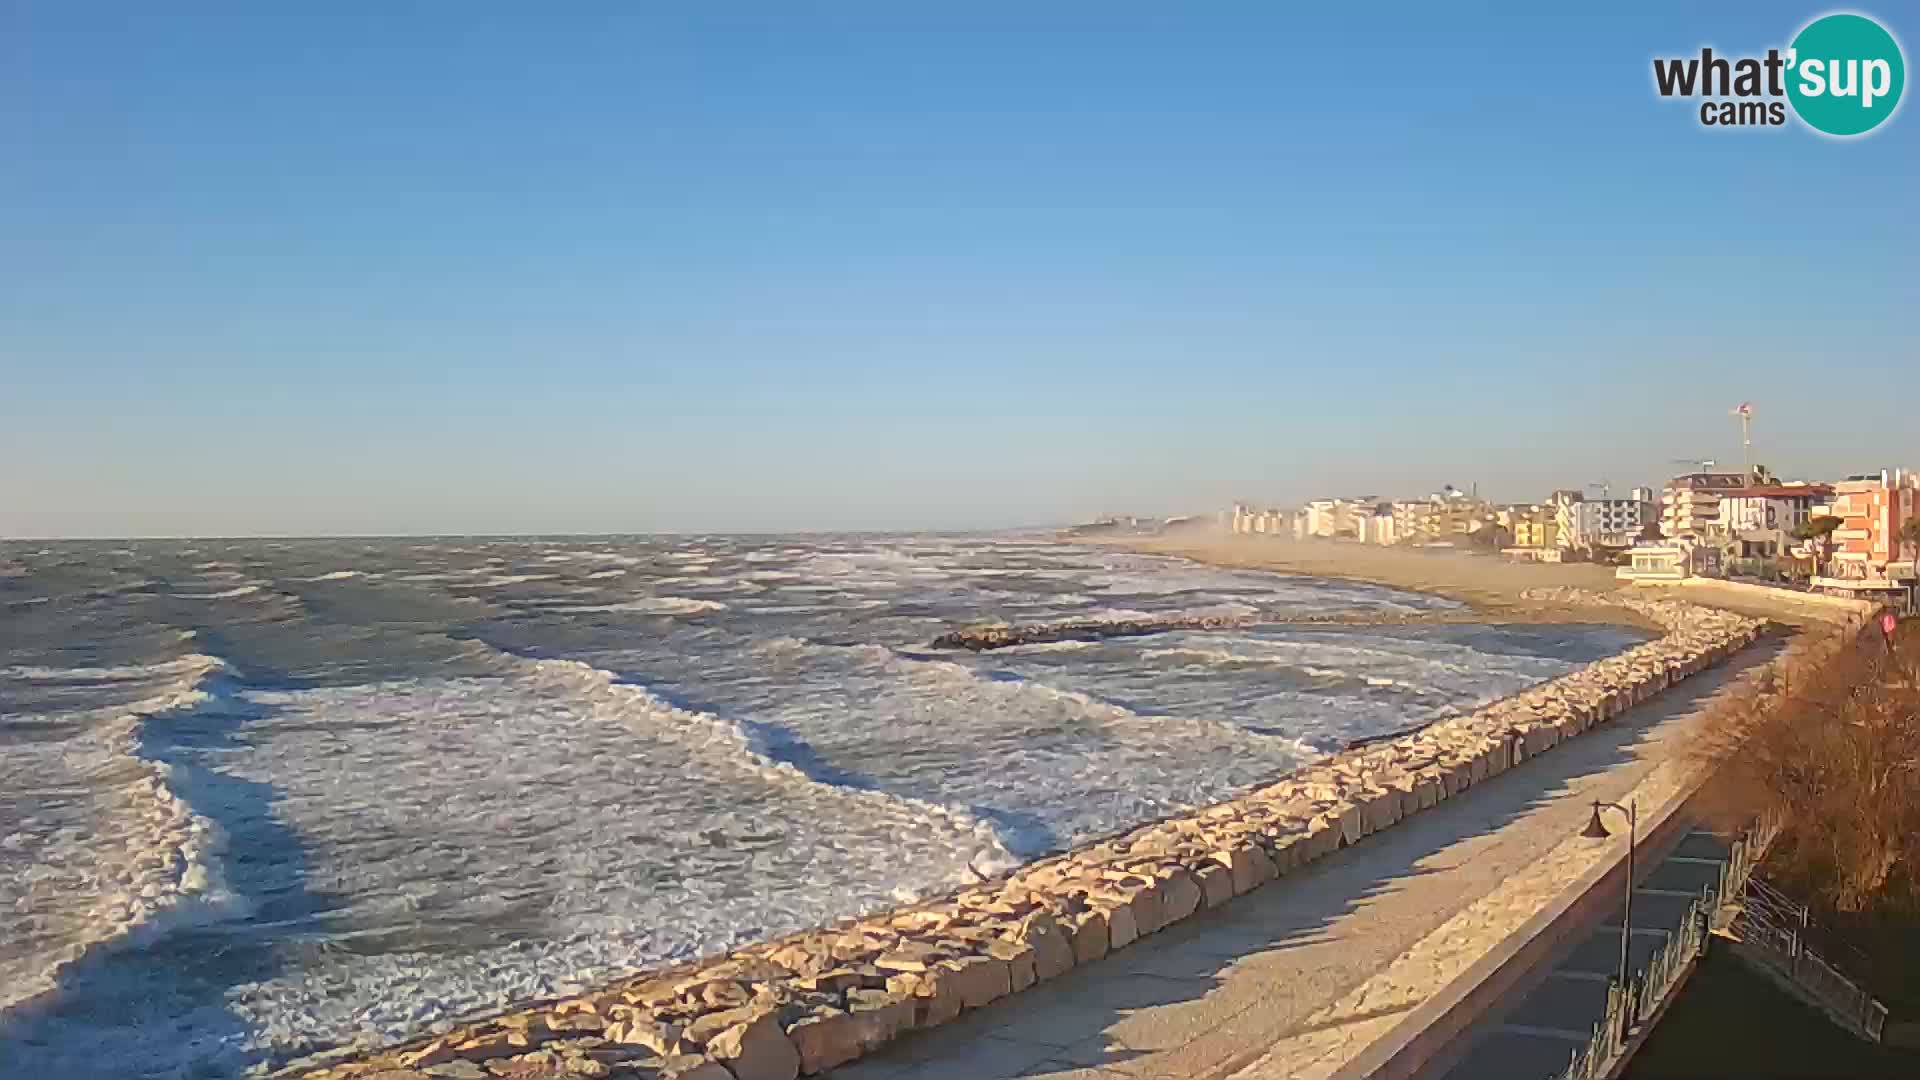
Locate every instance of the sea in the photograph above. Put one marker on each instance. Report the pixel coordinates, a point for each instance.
(261, 799)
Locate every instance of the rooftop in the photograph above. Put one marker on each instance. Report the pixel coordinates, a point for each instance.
(1779, 491)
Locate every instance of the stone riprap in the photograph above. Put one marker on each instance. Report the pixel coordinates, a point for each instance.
(1001, 636)
(811, 1001)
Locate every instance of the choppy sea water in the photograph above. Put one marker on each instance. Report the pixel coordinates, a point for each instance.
(262, 798)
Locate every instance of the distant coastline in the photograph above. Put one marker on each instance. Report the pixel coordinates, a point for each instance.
(1492, 587)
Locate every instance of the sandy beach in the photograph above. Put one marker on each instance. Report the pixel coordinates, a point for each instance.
(1490, 585)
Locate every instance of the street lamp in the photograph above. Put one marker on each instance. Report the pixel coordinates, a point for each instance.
(1597, 830)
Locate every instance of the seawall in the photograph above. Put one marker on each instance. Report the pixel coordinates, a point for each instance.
(808, 1002)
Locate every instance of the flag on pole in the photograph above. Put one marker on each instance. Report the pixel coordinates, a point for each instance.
(1745, 408)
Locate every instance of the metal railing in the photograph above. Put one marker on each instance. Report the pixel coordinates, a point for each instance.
(1652, 985)
(1772, 929)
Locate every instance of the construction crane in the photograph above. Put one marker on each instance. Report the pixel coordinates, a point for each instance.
(1697, 463)
(1744, 411)
(1606, 489)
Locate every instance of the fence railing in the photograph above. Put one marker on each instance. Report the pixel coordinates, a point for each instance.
(1773, 930)
(1651, 986)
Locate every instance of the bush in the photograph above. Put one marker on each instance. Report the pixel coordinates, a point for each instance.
(1832, 749)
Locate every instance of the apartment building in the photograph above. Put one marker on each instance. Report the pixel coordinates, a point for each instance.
(1761, 519)
(1690, 504)
(1583, 523)
(1871, 510)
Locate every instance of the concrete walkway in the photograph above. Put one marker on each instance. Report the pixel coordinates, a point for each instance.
(1535, 1033)
(1295, 979)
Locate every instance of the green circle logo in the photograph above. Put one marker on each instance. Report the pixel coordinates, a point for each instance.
(1845, 74)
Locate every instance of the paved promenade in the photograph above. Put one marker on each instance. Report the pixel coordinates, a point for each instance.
(1533, 1034)
(1294, 980)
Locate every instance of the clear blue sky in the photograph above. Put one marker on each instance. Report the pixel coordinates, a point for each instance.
(717, 266)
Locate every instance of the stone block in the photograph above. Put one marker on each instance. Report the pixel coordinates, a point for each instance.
(1091, 936)
(1052, 952)
(1216, 884)
(1020, 963)
(1429, 792)
(887, 1013)
(910, 956)
(1122, 931)
(824, 1040)
(1323, 839)
(690, 1067)
(1180, 897)
(1541, 739)
(1382, 810)
(1284, 852)
(936, 997)
(979, 979)
(1352, 826)
(1407, 791)
(1149, 914)
(643, 1031)
(1264, 869)
(704, 1028)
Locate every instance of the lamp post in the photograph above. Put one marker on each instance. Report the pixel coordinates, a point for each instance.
(1597, 830)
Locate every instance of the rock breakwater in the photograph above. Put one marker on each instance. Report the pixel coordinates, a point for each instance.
(1002, 636)
(814, 1000)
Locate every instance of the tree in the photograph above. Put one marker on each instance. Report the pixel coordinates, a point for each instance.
(1832, 751)
(1910, 537)
(1818, 532)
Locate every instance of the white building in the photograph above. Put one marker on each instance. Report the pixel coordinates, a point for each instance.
(1671, 562)
(1376, 526)
(1762, 518)
(1690, 505)
(1606, 522)
(1248, 520)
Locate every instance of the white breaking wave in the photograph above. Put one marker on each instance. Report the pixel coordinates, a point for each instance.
(158, 866)
(242, 590)
(501, 580)
(192, 666)
(756, 750)
(649, 605)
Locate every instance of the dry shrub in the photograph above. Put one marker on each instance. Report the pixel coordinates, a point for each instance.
(1830, 746)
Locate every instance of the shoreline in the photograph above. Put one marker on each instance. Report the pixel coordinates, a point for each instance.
(1493, 589)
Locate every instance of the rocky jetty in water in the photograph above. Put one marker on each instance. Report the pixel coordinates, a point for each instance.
(1001, 636)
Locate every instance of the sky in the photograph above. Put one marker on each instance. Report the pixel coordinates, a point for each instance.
(358, 268)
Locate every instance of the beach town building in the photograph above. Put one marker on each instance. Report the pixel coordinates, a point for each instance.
(1760, 520)
(1532, 525)
(1327, 517)
(1374, 525)
(1690, 504)
(1246, 519)
(1582, 524)
(1345, 518)
(1447, 515)
(1868, 558)
(1671, 561)
(1410, 518)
